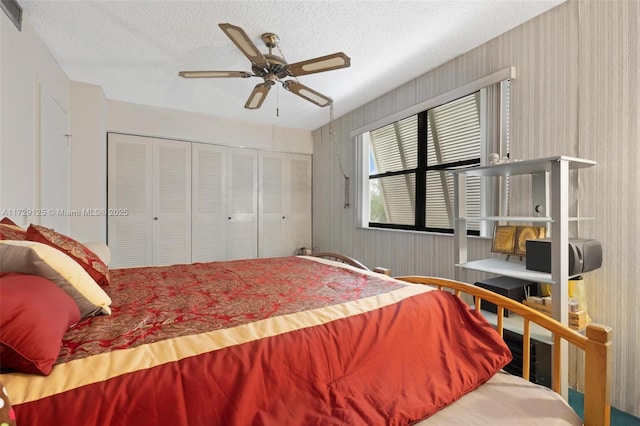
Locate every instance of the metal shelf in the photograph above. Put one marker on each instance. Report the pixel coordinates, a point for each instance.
(525, 167)
(508, 268)
(520, 218)
(515, 269)
(550, 186)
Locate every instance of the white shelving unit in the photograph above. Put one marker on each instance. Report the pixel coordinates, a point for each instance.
(550, 188)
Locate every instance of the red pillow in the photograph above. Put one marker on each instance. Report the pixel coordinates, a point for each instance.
(11, 232)
(7, 221)
(34, 316)
(91, 263)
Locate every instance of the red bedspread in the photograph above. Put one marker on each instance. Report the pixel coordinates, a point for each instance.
(308, 345)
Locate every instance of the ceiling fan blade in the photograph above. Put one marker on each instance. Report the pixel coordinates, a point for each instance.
(244, 43)
(257, 96)
(306, 93)
(214, 74)
(323, 63)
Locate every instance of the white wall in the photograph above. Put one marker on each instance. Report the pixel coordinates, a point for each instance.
(88, 160)
(166, 123)
(29, 72)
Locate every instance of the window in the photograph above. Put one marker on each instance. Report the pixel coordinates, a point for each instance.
(408, 183)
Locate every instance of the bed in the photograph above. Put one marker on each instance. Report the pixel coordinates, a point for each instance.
(294, 340)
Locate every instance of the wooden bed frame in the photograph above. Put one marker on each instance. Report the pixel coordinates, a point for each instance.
(596, 342)
(349, 261)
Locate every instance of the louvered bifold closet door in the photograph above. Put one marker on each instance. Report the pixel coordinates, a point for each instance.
(284, 203)
(272, 228)
(171, 202)
(209, 198)
(130, 184)
(242, 203)
(299, 202)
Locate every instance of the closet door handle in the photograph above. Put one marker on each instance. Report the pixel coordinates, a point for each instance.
(155, 218)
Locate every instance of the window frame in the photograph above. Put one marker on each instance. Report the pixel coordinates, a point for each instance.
(420, 173)
(499, 131)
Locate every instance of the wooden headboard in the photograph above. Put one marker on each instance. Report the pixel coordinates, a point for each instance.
(349, 261)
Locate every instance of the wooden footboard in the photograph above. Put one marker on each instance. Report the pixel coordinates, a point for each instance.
(596, 343)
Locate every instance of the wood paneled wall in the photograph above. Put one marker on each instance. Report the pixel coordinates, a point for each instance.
(577, 93)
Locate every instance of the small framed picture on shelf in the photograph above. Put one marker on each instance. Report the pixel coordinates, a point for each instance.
(504, 239)
(524, 233)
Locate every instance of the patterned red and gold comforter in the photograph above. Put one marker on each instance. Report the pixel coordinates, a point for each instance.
(281, 341)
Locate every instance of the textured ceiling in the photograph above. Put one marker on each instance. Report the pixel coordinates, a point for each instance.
(134, 49)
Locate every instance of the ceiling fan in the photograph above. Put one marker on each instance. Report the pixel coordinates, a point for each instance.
(272, 68)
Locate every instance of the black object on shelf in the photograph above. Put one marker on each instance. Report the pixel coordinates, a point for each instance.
(513, 288)
(540, 358)
(584, 255)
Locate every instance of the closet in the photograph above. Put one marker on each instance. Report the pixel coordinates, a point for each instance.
(195, 202)
(285, 203)
(148, 201)
(225, 194)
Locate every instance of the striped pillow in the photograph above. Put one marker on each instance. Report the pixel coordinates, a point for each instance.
(33, 258)
(89, 261)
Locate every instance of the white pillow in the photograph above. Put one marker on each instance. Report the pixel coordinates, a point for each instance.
(100, 249)
(32, 258)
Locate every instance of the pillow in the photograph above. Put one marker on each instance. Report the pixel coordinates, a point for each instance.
(100, 249)
(32, 258)
(78, 252)
(7, 221)
(7, 415)
(11, 232)
(34, 316)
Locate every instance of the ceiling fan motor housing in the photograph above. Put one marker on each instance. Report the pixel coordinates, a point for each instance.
(275, 65)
